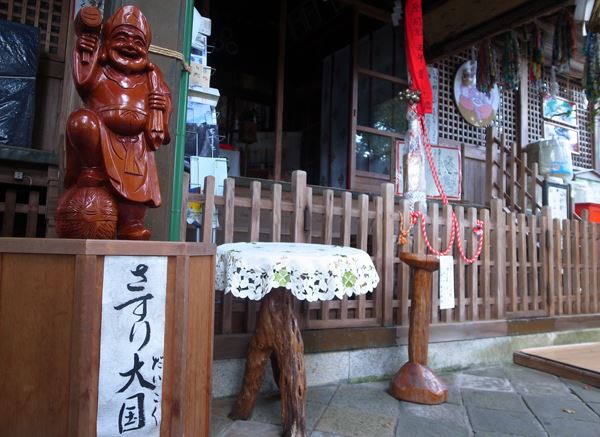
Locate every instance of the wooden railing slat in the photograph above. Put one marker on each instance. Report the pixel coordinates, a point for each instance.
(346, 218)
(485, 269)
(255, 190)
(276, 213)
(512, 261)
(522, 283)
(208, 209)
(559, 267)
(363, 235)
(388, 246)
(576, 247)
(328, 204)
(472, 291)
(533, 260)
(378, 251)
(594, 247)
(434, 214)
(568, 289)
(447, 215)
(585, 236)
(32, 213)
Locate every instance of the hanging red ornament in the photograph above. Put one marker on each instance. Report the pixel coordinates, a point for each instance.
(413, 26)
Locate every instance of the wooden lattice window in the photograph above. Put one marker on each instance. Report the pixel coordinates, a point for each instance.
(571, 91)
(452, 125)
(50, 16)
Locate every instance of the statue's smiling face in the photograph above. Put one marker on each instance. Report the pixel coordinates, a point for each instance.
(127, 49)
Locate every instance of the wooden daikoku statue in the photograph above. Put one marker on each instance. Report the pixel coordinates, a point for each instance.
(111, 176)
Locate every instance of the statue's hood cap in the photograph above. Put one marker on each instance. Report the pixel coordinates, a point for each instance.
(128, 16)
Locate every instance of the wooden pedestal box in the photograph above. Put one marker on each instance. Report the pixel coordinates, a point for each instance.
(50, 334)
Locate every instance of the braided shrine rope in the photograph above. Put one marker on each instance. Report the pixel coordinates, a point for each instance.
(415, 215)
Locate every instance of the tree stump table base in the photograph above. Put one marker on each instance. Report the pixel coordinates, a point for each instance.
(415, 382)
(277, 338)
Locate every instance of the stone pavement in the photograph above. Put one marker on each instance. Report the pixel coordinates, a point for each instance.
(499, 401)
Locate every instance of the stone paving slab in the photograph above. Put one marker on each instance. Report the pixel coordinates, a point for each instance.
(493, 372)
(595, 406)
(529, 381)
(442, 413)
(242, 428)
(574, 428)
(496, 434)
(548, 408)
(219, 424)
(324, 434)
(510, 422)
(366, 398)
(476, 382)
(585, 392)
(354, 423)
(454, 396)
(412, 426)
(493, 400)
(321, 394)
(266, 410)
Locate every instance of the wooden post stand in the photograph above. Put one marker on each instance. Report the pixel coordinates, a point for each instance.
(50, 329)
(277, 337)
(415, 382)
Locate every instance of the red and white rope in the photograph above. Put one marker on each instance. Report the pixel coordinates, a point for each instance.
(455, 229)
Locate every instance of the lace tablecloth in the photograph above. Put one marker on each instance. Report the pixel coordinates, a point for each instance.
(310, 271)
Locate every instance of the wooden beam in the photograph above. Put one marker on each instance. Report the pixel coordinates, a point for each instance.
(315, 341)
(586, 376)
(522, 105)
(495, 26)
(352, 122)
(430, 5)
(382, 76)
(280, 89)
(369, 10)
(342, 339)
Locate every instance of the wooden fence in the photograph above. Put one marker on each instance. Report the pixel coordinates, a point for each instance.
(531, 265)
(27, 205)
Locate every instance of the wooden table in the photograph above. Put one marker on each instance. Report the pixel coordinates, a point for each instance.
(275, 273)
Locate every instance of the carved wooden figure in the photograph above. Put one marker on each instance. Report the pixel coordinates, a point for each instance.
(415, 382)
(277, 337)
(111, 176)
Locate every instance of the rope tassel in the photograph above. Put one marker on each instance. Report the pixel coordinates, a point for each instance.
(455, 229)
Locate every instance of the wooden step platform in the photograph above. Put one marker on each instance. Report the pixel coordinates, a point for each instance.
(575, 361)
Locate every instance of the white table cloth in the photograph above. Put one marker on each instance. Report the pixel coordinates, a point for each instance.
(310, 271)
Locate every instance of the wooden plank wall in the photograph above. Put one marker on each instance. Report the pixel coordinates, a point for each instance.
(531, 265)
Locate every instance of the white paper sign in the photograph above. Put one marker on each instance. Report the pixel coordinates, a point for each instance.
(446, 282)
(201, 166)
(132, 346)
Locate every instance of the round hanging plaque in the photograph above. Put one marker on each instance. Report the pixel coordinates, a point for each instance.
(477, 108)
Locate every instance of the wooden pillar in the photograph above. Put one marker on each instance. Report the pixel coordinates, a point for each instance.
(280, 89)
(415, 382)
(351, 169)
(522, 105)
